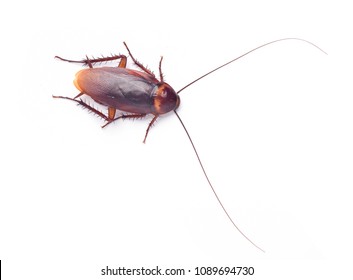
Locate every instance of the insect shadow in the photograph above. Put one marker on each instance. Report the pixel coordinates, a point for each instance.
(138, 93)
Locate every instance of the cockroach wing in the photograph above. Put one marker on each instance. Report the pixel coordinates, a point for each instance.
(120, 88)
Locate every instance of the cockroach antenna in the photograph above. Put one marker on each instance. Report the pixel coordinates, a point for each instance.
(193, 146)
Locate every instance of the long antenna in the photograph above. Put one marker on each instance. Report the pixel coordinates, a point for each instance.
(259, 47)
(209, 182)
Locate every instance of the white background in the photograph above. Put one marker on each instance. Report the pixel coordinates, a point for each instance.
(274, 131)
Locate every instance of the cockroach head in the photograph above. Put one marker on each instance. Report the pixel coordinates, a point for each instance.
(165, 99)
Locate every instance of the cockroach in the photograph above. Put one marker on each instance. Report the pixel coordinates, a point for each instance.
(139, 93)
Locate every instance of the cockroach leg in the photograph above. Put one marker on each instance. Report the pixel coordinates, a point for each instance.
(130, 116)
(78, 95)
(90, 61)
(111, 113)
(149, 126)
(122, 62)
(85, 105)
(138, 63)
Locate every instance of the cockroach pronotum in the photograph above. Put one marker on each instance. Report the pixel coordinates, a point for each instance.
(139, 93)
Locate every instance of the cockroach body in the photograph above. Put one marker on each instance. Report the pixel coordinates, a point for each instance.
(135, 92)
(127, 90)
(139, 93)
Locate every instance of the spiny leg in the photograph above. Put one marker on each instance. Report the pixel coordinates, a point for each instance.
(131, 116)
(90, 61)
(85, 105)
(135, 116)
(138, 63)
(149, 126)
